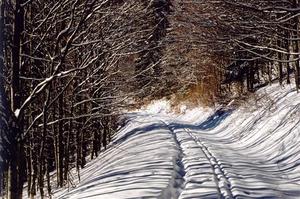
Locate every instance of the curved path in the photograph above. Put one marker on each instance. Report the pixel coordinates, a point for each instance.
(251, 152)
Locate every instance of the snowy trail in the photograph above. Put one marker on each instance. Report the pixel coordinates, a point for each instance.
(249, 152)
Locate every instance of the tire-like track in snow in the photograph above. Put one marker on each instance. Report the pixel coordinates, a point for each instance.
(222, 181)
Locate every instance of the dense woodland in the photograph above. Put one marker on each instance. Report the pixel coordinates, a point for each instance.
(69, 68)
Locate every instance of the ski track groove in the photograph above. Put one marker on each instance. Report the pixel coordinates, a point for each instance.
(224, 189)
(182, 172)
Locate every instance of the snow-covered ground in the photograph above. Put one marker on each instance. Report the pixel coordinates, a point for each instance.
(252, 151)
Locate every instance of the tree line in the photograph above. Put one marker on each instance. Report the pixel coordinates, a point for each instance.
(261, 39)
(220, 45)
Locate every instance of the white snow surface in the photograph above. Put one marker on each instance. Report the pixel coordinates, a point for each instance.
(251, 151)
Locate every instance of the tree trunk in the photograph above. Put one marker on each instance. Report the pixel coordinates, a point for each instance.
(250, 77)
(296, 36)
(288, 67)
(33, 175)
(280, 68)
(60, 174)
(68, 142)
(15, 162)
(48, 178)
(270, 72)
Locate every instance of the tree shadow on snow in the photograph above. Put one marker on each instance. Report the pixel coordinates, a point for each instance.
(210, 123)
(139, 130)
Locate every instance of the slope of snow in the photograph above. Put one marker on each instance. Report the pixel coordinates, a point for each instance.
(249, 152)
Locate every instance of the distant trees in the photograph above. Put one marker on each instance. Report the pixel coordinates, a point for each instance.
(192, 67)
(246, 42)
(262, 38)
(212, 44)
(148, 64)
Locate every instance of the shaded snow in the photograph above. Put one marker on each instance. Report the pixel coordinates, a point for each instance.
(249, 152)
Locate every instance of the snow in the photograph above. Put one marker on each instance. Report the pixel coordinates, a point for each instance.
(252, 151)
(17, 113)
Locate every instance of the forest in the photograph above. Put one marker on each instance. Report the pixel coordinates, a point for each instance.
(69, 69)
